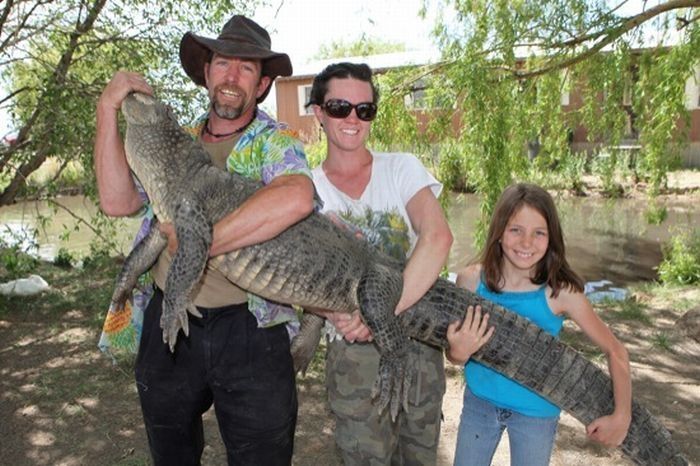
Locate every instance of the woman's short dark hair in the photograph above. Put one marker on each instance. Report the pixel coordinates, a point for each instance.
(344, 70)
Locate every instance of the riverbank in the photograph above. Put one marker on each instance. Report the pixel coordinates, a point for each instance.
(62, 402)
(680, 183)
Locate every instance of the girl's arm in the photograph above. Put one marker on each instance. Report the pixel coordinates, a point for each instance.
(468, 277)
(609, 430)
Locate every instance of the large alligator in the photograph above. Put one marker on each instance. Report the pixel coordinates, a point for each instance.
(315, 263)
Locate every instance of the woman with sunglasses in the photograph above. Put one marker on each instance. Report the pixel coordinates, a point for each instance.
(390, 199)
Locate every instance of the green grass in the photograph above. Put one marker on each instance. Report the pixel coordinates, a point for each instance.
(673, 294)
(316, 372)
(628, 310)
(662, 341)
(681, 263)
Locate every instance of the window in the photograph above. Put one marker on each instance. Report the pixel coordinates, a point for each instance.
(630, 83)
(627, 94)
(423, 97)
(303, 96)
(416, 99)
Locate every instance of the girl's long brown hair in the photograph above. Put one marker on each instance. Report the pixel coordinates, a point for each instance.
(552, 269)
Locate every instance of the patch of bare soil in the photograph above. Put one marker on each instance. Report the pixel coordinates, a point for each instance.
(63, 403)
(666, 379)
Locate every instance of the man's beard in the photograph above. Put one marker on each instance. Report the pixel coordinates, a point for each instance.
(228, 111)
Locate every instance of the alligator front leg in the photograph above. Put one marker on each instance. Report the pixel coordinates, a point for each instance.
(194, 237)
(378, 293)
(141, 258)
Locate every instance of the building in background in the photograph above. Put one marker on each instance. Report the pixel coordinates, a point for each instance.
(292, 94)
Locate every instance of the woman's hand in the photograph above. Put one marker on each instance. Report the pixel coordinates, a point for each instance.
(350, 326)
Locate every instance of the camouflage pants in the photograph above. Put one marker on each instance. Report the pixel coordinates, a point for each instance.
(362, 435)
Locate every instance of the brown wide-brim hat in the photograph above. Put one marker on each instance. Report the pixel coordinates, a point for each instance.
(241, 38)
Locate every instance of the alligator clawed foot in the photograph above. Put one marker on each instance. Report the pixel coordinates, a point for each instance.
(192, 309)
(174, 318)
(302, 355)
(392, 384)
(304, 344)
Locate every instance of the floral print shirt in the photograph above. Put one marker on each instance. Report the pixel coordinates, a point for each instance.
(266, 149)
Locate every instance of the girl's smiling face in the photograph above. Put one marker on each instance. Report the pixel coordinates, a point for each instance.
(525, 239)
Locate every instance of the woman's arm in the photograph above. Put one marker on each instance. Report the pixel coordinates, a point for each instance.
(432, 247)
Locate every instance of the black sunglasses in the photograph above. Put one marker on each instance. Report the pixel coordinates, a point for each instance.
(339, 108)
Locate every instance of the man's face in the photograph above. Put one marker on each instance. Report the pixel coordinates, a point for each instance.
(234, 84)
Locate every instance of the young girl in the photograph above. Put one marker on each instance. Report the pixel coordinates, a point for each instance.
(524, 269)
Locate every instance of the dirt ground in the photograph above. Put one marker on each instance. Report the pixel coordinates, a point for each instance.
(64, 403)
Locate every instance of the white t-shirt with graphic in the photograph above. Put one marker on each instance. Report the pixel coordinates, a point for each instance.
(380, 213)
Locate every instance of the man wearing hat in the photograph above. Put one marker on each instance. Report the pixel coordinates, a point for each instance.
(237, 355)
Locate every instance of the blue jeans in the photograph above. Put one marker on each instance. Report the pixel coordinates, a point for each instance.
(482, 424)
(246, 372)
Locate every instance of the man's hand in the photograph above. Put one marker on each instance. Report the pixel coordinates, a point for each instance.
(466, 339)
(121, 85)
(168, 230)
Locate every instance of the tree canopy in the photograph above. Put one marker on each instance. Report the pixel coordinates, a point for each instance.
(362, 47)
(505, 66)
(56, 56)
(496, 90)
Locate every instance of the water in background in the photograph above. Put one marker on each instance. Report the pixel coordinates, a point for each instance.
(605, 239)
(18, 223)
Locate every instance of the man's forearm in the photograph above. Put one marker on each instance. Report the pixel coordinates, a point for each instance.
(117, 192)
(270, 211)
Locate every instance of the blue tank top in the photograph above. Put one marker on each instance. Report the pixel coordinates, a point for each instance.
(503, 392)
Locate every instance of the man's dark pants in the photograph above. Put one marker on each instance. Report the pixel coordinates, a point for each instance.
(245, 371)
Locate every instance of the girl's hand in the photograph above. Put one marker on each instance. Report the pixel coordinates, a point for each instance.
(466, 338)
(609, 430)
